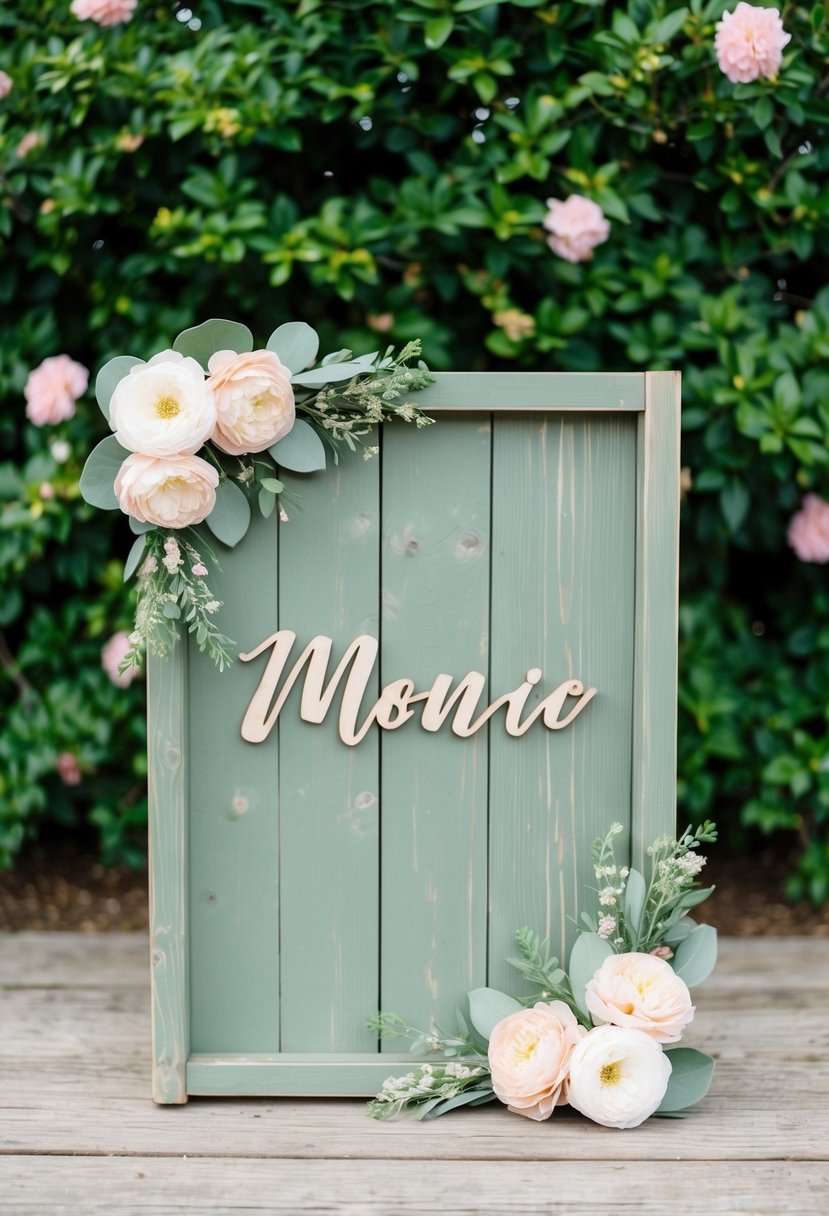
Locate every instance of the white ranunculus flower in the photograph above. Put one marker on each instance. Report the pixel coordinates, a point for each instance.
(171, 492)
(618, 1077)
(164, 407)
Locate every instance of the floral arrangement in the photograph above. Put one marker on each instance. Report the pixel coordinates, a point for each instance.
(599, 1037)
(203, 430)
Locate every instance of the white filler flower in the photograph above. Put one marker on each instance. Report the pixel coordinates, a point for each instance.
(164, 407)
(618, 1077)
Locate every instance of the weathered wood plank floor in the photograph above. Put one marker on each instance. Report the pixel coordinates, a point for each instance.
(79, 1134)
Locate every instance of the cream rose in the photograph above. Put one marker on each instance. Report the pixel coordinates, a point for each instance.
(172, 492)
(529, 1058)
(640, 992)
(254, 400)
(164, 407)
(618, 1077)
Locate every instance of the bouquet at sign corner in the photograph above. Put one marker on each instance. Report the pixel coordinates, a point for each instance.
(207, 429)
(601, 1037)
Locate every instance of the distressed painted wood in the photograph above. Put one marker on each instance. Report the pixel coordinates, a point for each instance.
(531, 528)
(435, 585)
(78, 1133)
(234, 825)
(167, 744)
(330, 794)
(653, 793)
(563, 523)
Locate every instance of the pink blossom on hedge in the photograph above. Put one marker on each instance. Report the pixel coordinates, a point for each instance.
(113, 654)
(53, 388)
(749, 43)
(68, 768)
(103, 12)
(809, 530)
(576, 226)
(5, 84)
(28, 143)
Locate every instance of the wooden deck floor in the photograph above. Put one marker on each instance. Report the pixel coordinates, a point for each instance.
(79, 1134)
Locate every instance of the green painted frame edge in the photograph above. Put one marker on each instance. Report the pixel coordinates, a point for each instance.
(653, 786)
(656, 615)
(293, 1075)
(168, 852)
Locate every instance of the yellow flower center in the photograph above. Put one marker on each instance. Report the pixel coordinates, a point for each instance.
(167, 407)
(610, 1074)
(524, 1051)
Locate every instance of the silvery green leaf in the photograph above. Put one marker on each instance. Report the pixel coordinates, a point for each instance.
(296, 344)
(138, 526)
(134, 557)
(109, 377)
(301, 450)
(267, 503)
(587, 955)
(470, 1097)
(487, 1007)
(690, 1080)
(332, 373)
(204, 340)
(338, 356)
(696, 955)
(692, 898)
(171, 611)
(679, 931)
(634, 900)
(97, 483)
(230, 518)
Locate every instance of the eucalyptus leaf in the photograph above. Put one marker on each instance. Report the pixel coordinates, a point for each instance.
(301, 450)
(332, 373)
(171, 611)
(230, 518)
(204, 340)
(587, 955)
(679, 931)
(690, 1080)
(108, 378)
(139, 526)
(696, 955)
(272, 485)
(469, 1097)
(488, 1006)
(633, 903)
(267, 503)
(134, 557)
(296, 344)
(97, 483)
(691, 898)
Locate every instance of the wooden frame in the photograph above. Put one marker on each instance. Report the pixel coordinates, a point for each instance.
(653, 398)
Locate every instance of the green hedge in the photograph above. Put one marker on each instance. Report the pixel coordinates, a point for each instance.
(384, 168)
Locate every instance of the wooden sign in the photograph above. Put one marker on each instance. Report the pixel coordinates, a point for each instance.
(456, 666)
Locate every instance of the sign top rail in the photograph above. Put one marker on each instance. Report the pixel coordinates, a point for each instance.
(617, 392)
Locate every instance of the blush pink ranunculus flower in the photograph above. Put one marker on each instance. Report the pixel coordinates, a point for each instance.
(749, 43)
(53, 388)
(30, 141)
(254, 400)
(638, 991)
(576, 227)
(112, 656)
(68, 768)
(5, 85)
(529, 1058)
(808, 531)
(103, 12)
(169, 491)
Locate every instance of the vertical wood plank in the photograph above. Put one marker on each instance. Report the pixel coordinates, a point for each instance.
(562, 600)
(234, 819)
(168, 843)
(330, 793)
(436, 504)
(653, 794)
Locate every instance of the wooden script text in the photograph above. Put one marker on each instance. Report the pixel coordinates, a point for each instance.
(393, 707)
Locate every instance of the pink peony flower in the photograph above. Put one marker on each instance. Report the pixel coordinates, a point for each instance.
(640, 992)
(254, 400)
(175, 492)
(113, 654)
(52, 390)
(68, 768)
(809, 530)
(28, 143)
(103, 12)
(749, 43)
(576, 227)
(5, 85)
(529, 1057)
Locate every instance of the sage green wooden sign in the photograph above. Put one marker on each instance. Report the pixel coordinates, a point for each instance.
(300, 882)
